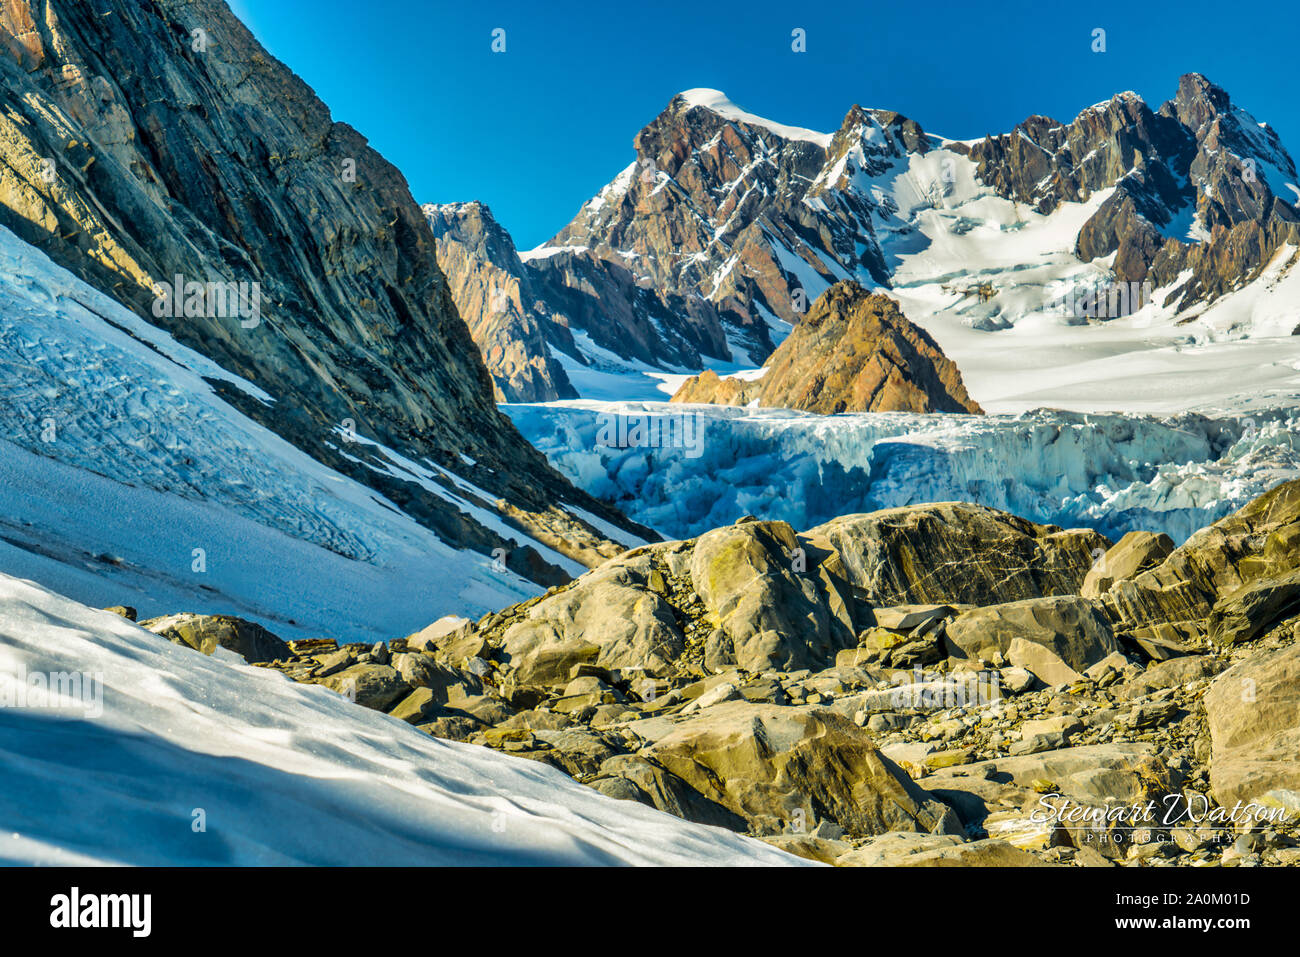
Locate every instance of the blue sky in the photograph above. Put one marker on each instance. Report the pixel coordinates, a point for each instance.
(538, 129)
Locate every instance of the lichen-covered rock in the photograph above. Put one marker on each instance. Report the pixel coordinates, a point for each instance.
(206, 633)
(611, 616)
(774, 616)
(373, 686)
(637, 778)
(853, 351)
(1074, 629)
(955, 553)
(789, 768)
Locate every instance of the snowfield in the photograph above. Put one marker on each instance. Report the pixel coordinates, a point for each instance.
(181, 759)
(1115, 473)
(119, 461)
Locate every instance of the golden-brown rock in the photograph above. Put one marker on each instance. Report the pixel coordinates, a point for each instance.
(853, 352)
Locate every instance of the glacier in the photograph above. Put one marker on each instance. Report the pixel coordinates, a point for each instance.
(1113, 472)
(126, 478)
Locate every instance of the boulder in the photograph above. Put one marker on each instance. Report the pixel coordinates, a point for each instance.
(378, 687)
(955, 553)
(579, 751)
(907, 618)
(634, 777)
(1132, 554)
(206, 633)
(1253, 713)
(1074, 630)
(1255, 608)
(1259, 541)
(611, 617)
(776, 617)
(431, 636)
(1041, 662)
(419, 707)
(787, 768)
(1168, 674)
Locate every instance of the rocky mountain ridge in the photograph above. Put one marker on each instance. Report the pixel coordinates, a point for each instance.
(145, 142)
(742, 223)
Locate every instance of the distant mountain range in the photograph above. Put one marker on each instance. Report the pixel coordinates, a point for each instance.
(151, 149)
(726, 227)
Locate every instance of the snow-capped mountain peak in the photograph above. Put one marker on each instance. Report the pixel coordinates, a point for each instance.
(717, 102)
(731, 225)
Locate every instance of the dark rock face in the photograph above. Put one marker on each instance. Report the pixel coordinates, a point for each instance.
(1043, 163)
(1198, 153)
(522, 312)
(509, 320)
(144, 141)
(852, 352)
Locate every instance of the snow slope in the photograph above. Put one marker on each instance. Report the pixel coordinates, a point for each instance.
(1022, 350)
(1115, 473)
(119, 460)
(718, 102)
(275, 772)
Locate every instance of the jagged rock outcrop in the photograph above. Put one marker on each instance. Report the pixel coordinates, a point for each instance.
(524, 312)
(852, 352)
(1178, 598)
(508, 318)
(141, 142)
(1198, 160)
